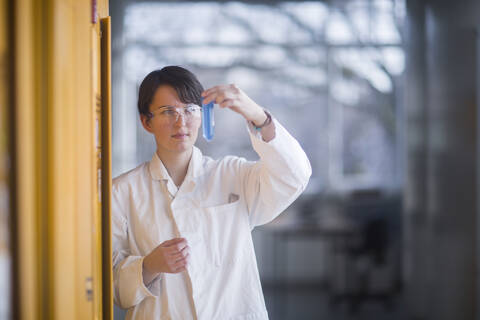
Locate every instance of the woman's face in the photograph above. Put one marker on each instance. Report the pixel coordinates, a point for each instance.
(171, 136)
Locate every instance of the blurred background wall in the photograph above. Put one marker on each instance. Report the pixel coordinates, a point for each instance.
(382, 95)
(441, 190)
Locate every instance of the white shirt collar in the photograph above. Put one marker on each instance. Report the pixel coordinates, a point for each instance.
(195, 166)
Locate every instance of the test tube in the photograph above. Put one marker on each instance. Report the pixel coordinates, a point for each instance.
(208, 124)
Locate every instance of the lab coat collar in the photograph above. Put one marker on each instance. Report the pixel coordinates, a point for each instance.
(159, 172)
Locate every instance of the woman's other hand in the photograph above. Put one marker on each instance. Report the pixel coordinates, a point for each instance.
(232, 97)
(170, 256)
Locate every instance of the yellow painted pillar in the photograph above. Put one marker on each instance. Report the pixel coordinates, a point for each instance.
(59, 111)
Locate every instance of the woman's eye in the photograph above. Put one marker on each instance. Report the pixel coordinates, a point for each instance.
(169, 112)
(191, 109)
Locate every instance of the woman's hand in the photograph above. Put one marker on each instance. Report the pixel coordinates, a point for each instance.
(232, 97)
(170, 256)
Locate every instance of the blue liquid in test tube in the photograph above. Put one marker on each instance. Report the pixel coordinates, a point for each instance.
(208, 124)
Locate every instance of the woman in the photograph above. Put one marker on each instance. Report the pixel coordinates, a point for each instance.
(182, 245)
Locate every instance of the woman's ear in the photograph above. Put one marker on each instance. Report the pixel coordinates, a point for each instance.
(146, 123)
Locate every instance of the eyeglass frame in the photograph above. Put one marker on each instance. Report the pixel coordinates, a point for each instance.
(151, 114)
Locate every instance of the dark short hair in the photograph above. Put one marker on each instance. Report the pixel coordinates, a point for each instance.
(184, 82)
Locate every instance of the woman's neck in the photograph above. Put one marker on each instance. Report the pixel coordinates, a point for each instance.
(176, 164)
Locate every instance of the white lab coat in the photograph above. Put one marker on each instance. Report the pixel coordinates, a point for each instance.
(215, 209)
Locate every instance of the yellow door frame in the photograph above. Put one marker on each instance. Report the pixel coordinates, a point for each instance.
(61, 229)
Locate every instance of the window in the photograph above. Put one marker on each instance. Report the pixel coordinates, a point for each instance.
(328, 71)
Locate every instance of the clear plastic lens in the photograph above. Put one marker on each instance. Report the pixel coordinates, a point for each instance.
(169, 112)
(172, 114)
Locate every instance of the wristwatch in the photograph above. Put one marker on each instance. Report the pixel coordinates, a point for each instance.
(266, 123)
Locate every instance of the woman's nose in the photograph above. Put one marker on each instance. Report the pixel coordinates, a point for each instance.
(181, 117)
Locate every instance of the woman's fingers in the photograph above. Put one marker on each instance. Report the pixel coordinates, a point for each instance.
(212, 90)
(210, 95)
(220, 94)
(177, 256)
(217, 97)
(232, 97)
(180, 269)
(170, 256)
(209, 98)
(226, 103)
(176, 246)
(180, 255)
(180, 265)
(171, 242)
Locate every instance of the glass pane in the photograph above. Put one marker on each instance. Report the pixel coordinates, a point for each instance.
(385, 29)
(339, 30)
(363, 108)
(359, 15)
(283, 68)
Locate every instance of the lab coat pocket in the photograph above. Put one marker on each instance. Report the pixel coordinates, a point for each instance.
(222, 228)
(223, 208)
